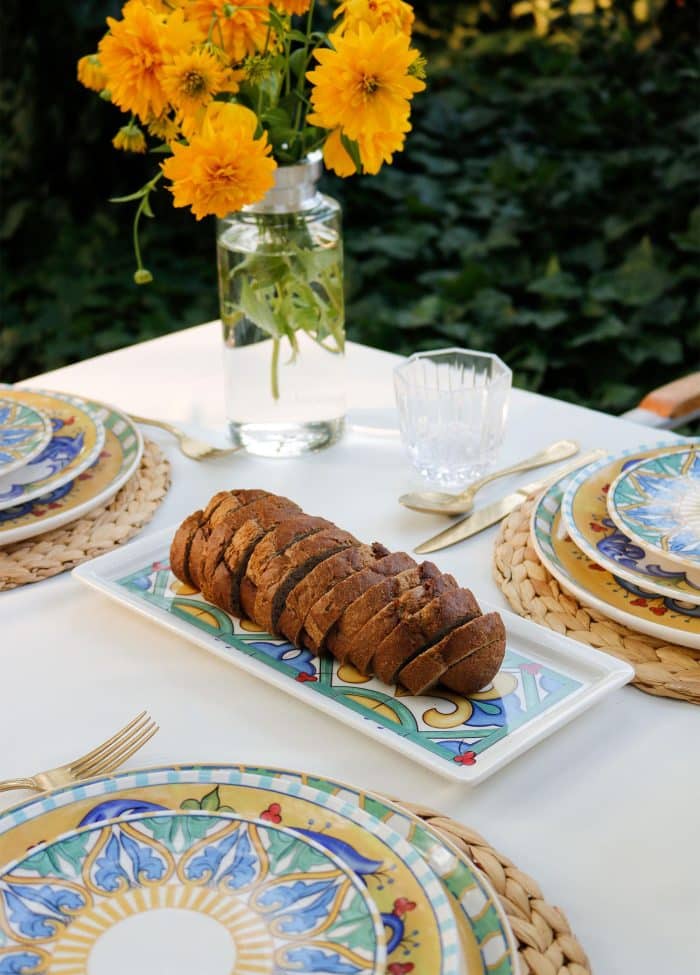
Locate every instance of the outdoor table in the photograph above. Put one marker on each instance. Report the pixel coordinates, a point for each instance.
(603, 813)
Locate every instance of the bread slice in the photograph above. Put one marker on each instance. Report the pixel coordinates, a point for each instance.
(321, 579)
(270, 546)
(479, 668)
(329, 608)
(218, 506)
(181, 545)
(290, 567)
(418, 632)
(366, 622)
(268, 512)
(425, 670)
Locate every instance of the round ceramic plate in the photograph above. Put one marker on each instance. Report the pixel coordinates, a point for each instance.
(117, 462)
(183, 892)
(657, 503)
(593, 586)
(420, 925)
(24, 432)
(78, 437)
(584, 513)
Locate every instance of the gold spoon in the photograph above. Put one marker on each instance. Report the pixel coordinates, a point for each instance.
(440, 502)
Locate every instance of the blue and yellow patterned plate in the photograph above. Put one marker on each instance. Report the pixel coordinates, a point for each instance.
(116, 463)
(585, 515)
(24, 432)
(77, 440)
(417, 914)
(657, 503)
(594, 586)
(184, 892)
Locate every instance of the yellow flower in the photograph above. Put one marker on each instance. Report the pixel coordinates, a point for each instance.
(163, 127)
(134, 53)
(364, 85)
(191, 80)
(224, 167)
(90, 73)
(292, 6)
(336, 156)
(130, 138)
(240, 27)
(374, 151)
(374, 13)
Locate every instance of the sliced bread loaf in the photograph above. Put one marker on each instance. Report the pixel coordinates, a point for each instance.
(320, 580)
(329, 608)
(419, 631)
(425, 670)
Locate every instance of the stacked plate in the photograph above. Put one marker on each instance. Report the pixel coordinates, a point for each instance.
(235, 869)
(60, 457)
(623, 536)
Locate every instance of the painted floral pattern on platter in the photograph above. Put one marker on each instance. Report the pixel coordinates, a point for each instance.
(576, 566)
(213, 788)
(586, 507)
(658, 501)
(22, 432)
(453, 728)
(286, 905)
(412, 936)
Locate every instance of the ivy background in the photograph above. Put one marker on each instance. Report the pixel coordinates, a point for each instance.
(547, 207)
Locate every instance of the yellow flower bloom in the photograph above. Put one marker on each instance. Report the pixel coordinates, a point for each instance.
(292, 6)
(224, 167)
(90, 73)
(336, 156)
(374, 151)
(163, 127)
(374, 13)
(134, 53)
(364, 85)
(240, 27)
(191, 80)
(130, 138)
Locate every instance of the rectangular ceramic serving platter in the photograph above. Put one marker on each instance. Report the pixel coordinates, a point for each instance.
(545, 681)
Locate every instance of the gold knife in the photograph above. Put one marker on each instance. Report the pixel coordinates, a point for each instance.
(491, 513)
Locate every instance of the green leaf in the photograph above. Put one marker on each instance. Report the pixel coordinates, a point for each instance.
(353, 150)
(211, 800)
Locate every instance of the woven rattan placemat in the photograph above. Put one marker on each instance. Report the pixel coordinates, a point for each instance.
(661, 668)
(546, 944)
(97, 532)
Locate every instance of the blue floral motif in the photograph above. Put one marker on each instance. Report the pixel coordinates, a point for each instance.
(20, 510)
(27, 907)
(118, 809)
(623, 551)
(145, 862)
(19, 963)
(360, 865)
(110, 873)
(305, 918)
(60, 451)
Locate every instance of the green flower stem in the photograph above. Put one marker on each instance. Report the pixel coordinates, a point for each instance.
(274, 369)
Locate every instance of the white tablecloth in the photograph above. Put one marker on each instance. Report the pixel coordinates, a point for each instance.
(604, 813)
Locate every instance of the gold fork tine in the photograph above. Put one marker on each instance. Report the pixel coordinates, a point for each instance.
(111, 757)
(123, 756)
(77, 765)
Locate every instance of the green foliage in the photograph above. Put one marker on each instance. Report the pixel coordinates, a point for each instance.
(546, 210)
(546, 207)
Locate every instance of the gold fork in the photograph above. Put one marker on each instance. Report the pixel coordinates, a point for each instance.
(190, 446)
(101, 760)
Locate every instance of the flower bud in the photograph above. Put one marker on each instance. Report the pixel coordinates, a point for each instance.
(143, 276)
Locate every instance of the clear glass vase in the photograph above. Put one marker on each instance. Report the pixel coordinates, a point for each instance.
(281, 297)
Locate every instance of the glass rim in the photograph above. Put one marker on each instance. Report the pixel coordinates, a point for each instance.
(505, 375)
